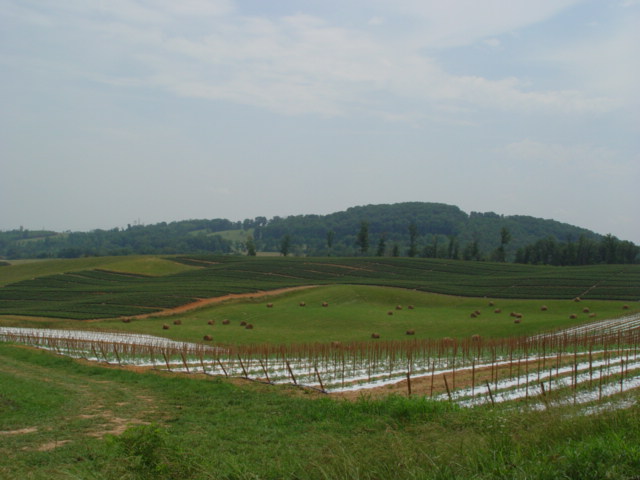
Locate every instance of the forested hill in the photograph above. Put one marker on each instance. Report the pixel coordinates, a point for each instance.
(439, 228)
(402, 229)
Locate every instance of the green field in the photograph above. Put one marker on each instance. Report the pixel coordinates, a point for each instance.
(116, 286)
(62, 418)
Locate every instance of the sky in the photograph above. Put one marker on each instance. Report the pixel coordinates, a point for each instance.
(119, 112)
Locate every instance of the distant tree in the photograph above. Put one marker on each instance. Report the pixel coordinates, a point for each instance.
(330, 236)
(396, 250)
(500, 254)
(382, 245)
(413, 235)
(251, 246)
(452, 247)
(362, 241)
(285, 245)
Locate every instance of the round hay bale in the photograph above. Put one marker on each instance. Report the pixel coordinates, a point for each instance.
(269, 305)
(592, 315)
(512, 314)
(517, 320)
(165, 327)
(410, 307)
(544, 308)
(475, 338)
(126, 320)
(302, 304)
(243, 323)
(585, 310)
(207, 338)
(473, 315)
(375, 335)
(497, 310)
(249, 326)
(625, 307)
(573, 316)
(491, 304)
(398, 307)
(518, 315)
(577, 299)
(226, 321)
(390, 312)
(325, 304)
(411, 332)
(477, 312)
(211, 322)
(177, 322)
(336, 344)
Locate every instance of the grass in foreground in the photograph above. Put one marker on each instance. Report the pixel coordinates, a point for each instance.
(63, 419)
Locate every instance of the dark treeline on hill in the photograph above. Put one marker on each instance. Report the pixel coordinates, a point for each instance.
(412, 229)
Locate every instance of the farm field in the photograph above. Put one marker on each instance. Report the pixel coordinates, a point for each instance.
(515, 379)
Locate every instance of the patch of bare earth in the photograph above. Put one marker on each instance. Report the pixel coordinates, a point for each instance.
(203, 302)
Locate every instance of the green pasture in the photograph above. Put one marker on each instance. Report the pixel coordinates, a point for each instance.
(20, 270)
(65, 419)
(354, 312)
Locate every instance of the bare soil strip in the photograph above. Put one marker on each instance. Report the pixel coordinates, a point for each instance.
(203, 302)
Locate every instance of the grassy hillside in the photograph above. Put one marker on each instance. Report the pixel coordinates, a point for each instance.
(95, 422)
(123, 287)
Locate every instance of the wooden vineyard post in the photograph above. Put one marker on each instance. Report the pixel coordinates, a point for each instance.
(319, 379)
(408, 383)
(490, 394)
(222, 367)
(266, 373)
(244, 372)
(166, 360)
(293, 377)
(544, 395)
(184, 361)
(473, 377)
(115, 350)
(446, 384)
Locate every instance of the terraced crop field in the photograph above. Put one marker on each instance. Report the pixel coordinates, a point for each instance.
(99, 293)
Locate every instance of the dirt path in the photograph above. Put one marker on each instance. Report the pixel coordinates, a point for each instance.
(203, 302)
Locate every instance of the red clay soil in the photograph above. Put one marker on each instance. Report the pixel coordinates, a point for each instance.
(203, 302)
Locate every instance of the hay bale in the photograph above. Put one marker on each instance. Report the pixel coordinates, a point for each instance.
(249, 326)
(410, 307)
(518, 315)
(398, 307)
(497, 310)
(625, 307)
(475, 338)
(573, 316)
(491, 304)
(390, 312)
(336, 344)
(544, 308)
(177, 322)
(211, 322)
(207, 338)
(512, 314)
(477, 312)
(302, 304)
(226, 321)
(577, 299)
(126, 320)
(375, 335)
(517, 320)
(165, 327)
(585, 310)
(473, 315)
(592, 315)
(269, 305)
(411, 332)
(325, 304)
(243, 323)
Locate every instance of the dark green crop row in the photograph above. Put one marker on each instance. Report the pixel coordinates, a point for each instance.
(102, 294)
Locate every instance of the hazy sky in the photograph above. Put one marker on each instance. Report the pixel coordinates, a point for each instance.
(116, 111)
